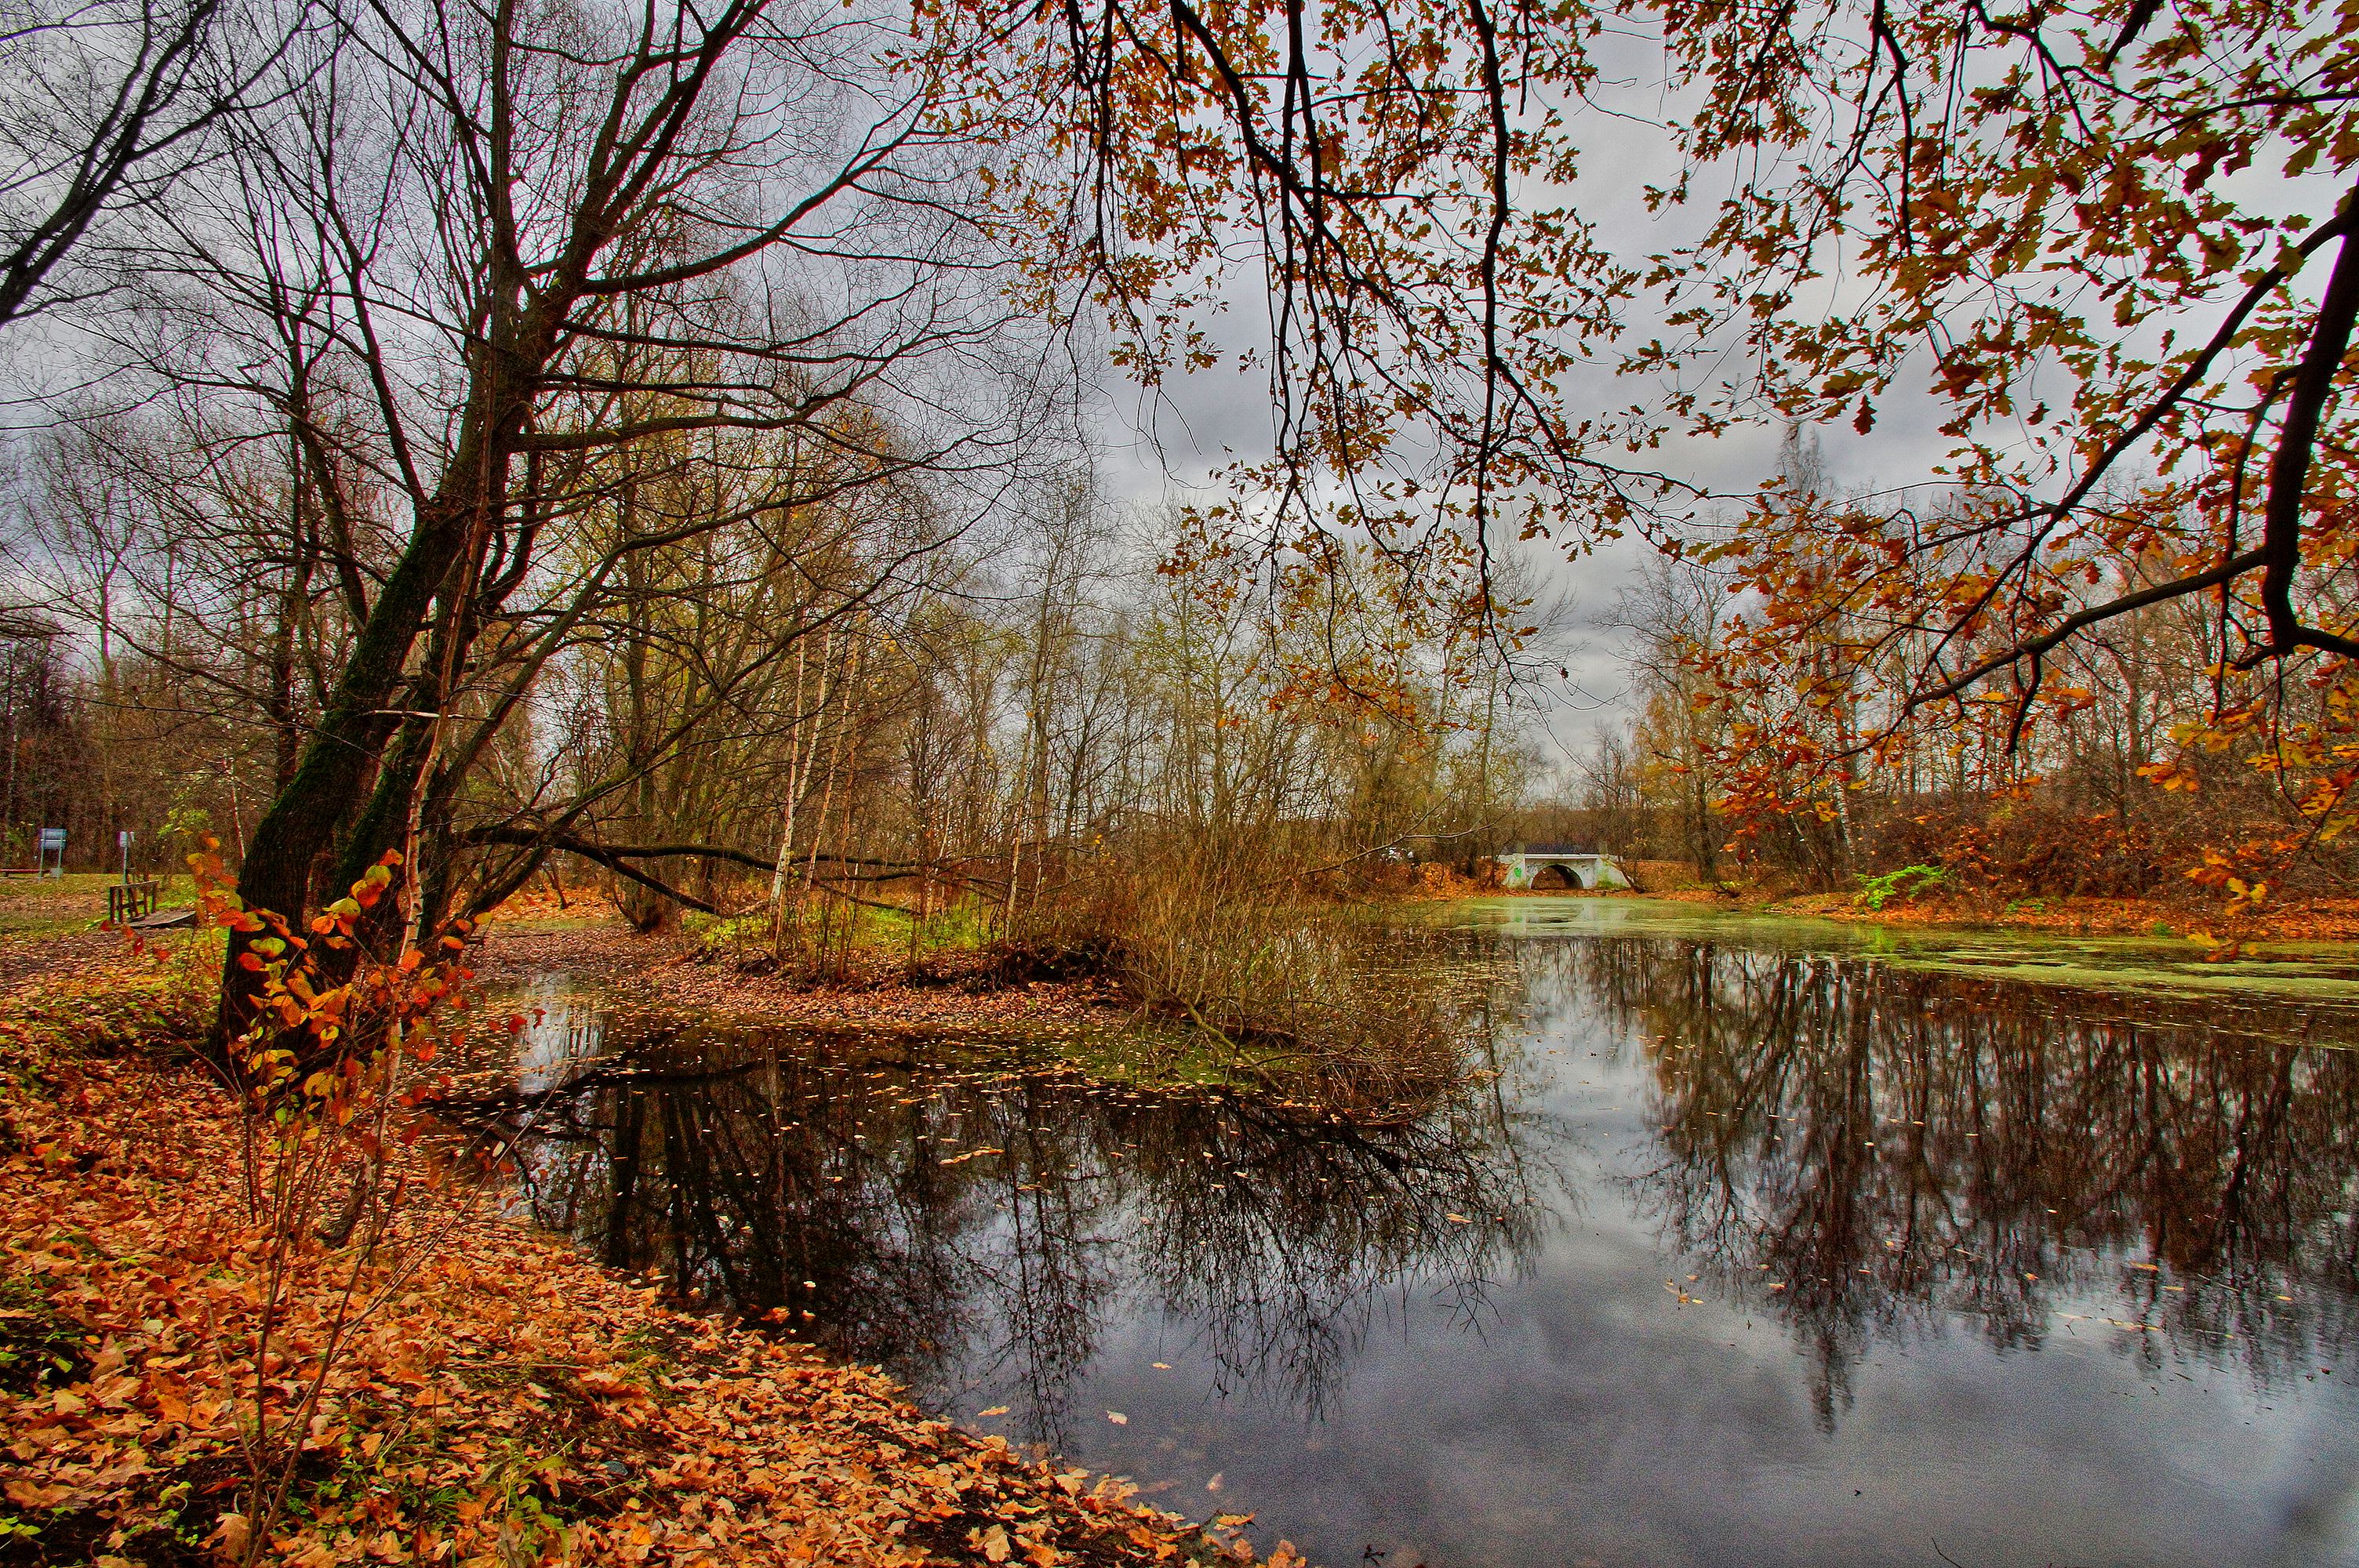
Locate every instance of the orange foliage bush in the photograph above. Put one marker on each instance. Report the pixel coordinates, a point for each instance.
(2025, 847)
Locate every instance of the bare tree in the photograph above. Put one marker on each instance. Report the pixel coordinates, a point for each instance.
(109, 104)
(486, 269)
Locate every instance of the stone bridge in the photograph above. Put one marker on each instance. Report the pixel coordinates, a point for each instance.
(1543, 867)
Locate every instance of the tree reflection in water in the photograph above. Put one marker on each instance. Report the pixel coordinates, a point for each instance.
(1870, 1151)
(1867, 1153)
(935, 1217)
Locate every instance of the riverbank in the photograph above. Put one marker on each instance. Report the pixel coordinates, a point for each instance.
(2296, 920)
(1326, 1013)
(510, 1403)
(2293, 920)
(601, 952)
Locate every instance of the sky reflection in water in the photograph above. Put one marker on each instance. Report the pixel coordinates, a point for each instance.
(1743, 1257)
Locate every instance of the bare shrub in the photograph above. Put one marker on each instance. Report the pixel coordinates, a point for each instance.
(1288, 987)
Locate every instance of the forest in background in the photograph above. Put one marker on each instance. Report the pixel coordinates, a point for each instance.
(986, 732)
(785, 716)
(1784, 753)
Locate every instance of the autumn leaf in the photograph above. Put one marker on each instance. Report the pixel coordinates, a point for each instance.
(451, 1369)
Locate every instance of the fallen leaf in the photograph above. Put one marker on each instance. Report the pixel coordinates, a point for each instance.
(230, 1534)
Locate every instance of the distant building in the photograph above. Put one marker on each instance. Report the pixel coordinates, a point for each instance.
(1542, 867)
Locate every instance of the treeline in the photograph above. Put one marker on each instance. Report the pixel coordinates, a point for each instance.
(85, 755)
(645, 445)
(1782, 734)
(787, 715)
(404, 364)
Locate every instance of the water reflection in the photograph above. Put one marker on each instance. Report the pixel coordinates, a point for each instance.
(968, 1226)
(1743, 1256)
(1858, 1148)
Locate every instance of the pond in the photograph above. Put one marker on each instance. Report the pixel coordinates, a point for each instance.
(1754, 1249)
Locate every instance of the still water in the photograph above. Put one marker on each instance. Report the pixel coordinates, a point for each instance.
(1745, 1254)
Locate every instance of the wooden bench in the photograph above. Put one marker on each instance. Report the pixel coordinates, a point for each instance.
(128, 902)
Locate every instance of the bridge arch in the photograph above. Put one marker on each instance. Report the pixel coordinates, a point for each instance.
(1560, 867)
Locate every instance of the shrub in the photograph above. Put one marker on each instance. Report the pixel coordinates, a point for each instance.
(1287, 987)
(1907, 882)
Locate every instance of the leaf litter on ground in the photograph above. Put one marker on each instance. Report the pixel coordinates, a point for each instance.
(512, 1402)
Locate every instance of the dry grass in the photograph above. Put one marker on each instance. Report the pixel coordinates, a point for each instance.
(1298, 991)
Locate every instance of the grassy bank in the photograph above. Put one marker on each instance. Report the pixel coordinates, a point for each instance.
(1913, 898)
(507, 1403)
(2319, 975)
(1314, 1001)
(2293, 920)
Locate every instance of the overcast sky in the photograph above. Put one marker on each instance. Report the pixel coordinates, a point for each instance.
(1165, 450)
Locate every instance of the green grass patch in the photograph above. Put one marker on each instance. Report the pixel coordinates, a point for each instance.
(876, 931)
(34, 908)
(1902, 885)
(1149, 1053)
(87, 887)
